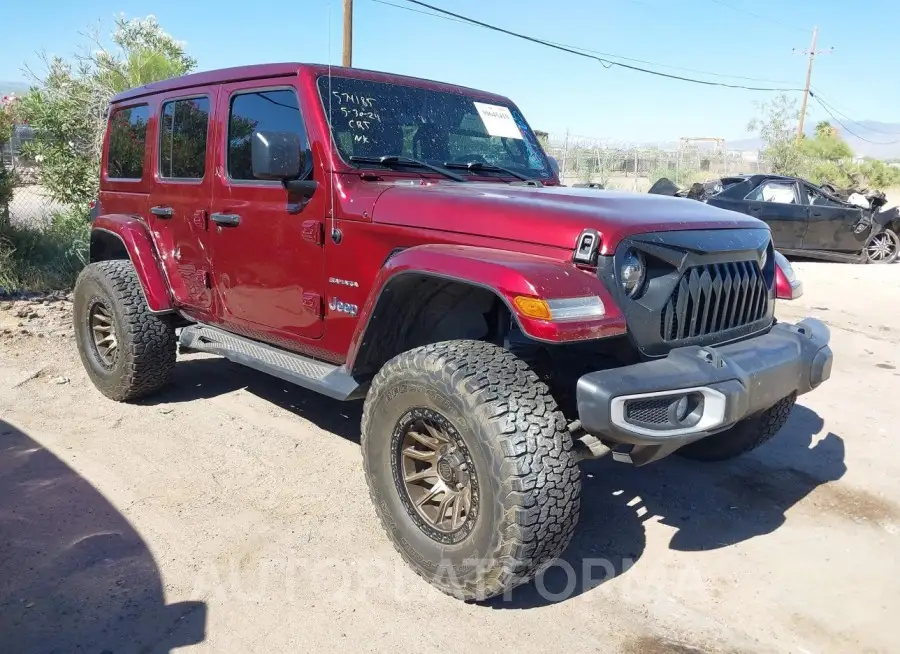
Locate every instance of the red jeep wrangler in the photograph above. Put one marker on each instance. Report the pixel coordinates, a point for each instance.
(373, 236)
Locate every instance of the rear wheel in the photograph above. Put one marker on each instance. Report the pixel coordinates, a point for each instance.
(883, 247)
(127, 351)
(470, 467)
(745, 436)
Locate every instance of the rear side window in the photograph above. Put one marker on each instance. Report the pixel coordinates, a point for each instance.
(183, 125)
(772, 191)
(276, 110)
(127, 142)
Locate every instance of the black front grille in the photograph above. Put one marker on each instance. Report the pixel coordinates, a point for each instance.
(714, 298)
(653, 411)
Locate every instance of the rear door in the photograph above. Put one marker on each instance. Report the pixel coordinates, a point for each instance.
(833, 225)
(182, 193)
(268, 254)
(778, 204)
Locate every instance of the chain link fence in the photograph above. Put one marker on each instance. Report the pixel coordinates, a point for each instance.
(30, 203)
(631, 167)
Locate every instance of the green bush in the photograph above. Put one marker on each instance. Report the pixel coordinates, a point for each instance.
(44, 258)
(7, 184)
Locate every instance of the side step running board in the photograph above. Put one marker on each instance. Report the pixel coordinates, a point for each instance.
(325, 378)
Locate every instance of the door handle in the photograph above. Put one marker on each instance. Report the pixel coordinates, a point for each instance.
(226, 219)
(755, 208)
(818, 214)
(163, 212)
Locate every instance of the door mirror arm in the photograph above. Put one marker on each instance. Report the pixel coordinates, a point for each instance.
(302, 187)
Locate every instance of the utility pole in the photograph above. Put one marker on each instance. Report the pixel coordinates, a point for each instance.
(812, 52)
(347, 59)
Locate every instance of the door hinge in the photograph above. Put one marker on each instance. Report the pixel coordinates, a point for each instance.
(314, 232)
(313, 303)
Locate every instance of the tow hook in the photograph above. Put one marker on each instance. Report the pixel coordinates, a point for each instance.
(587, 446)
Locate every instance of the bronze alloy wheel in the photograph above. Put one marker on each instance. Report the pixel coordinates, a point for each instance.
(103, 333)
(435, 476)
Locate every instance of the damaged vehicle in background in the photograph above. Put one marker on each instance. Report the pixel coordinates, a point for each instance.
(805, 219)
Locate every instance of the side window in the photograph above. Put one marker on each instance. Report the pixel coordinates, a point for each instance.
(274, 110)
(183, 126)
(780, 192)
(127, 142)
(817, 199)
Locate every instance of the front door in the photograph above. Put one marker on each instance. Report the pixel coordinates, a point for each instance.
(832, 225)
(777, 203)
(268, 254)
(182, 190)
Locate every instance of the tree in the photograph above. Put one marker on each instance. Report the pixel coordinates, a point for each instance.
(826, 145)
(775, 122)
(67, 107)
(8, 119)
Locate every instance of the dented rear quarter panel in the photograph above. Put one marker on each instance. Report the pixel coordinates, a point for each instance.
(135, 236)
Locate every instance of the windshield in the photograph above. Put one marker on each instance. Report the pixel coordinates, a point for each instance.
(376, 119)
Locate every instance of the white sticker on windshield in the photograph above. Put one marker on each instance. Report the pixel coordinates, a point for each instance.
(498, 121)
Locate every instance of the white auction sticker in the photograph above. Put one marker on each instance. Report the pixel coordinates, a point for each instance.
(498, 121)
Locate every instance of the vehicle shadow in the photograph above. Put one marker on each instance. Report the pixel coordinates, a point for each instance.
(201, 376)
(75, 576)
(711, 505)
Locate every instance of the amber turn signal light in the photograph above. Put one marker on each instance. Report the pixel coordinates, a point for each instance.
(533, 307)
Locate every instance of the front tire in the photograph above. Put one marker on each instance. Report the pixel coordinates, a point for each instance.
(127, 351)
(883, 247)
(745, 436)
(470, 467)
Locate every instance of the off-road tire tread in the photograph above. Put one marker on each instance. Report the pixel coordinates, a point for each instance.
(745, 436)
(149, 344)
(541, 480)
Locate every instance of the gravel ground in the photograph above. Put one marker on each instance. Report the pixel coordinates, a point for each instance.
(230, 513)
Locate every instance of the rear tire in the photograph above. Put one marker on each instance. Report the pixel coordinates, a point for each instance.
(127, 351)
(487, 413)
(745, 436)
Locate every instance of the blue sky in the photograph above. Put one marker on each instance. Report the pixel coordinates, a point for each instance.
(555, 90)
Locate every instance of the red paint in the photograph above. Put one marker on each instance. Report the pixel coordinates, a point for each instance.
(273, 278)
(508, 274)
(134, 236)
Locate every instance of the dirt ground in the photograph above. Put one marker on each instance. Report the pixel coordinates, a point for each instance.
(230, 514)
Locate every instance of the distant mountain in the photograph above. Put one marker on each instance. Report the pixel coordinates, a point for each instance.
(7, 88)
(884, 137)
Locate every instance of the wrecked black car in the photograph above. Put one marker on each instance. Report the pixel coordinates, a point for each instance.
(805, 219)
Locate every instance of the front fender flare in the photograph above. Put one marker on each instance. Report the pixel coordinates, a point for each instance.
(507, 275)
(135, 239)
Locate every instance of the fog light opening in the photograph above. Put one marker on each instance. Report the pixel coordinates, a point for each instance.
(686, 410)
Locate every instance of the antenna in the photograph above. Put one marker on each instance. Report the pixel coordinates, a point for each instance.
(335, 232)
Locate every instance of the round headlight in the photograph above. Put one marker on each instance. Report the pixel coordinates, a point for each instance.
(631, 272)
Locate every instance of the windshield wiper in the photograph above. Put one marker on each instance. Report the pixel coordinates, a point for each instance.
(394, 160)
(481, 165)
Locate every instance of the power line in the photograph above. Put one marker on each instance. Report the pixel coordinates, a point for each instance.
(597, 52)
(768, 19)
(847, 129)
(856, 122)
(605, 62)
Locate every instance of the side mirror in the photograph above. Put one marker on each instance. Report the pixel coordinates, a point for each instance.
(554, 165)
(276, 155)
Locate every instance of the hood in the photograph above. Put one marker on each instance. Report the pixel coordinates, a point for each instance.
(550, 215)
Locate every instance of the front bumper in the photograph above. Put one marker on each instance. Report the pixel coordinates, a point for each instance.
(658, 406)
